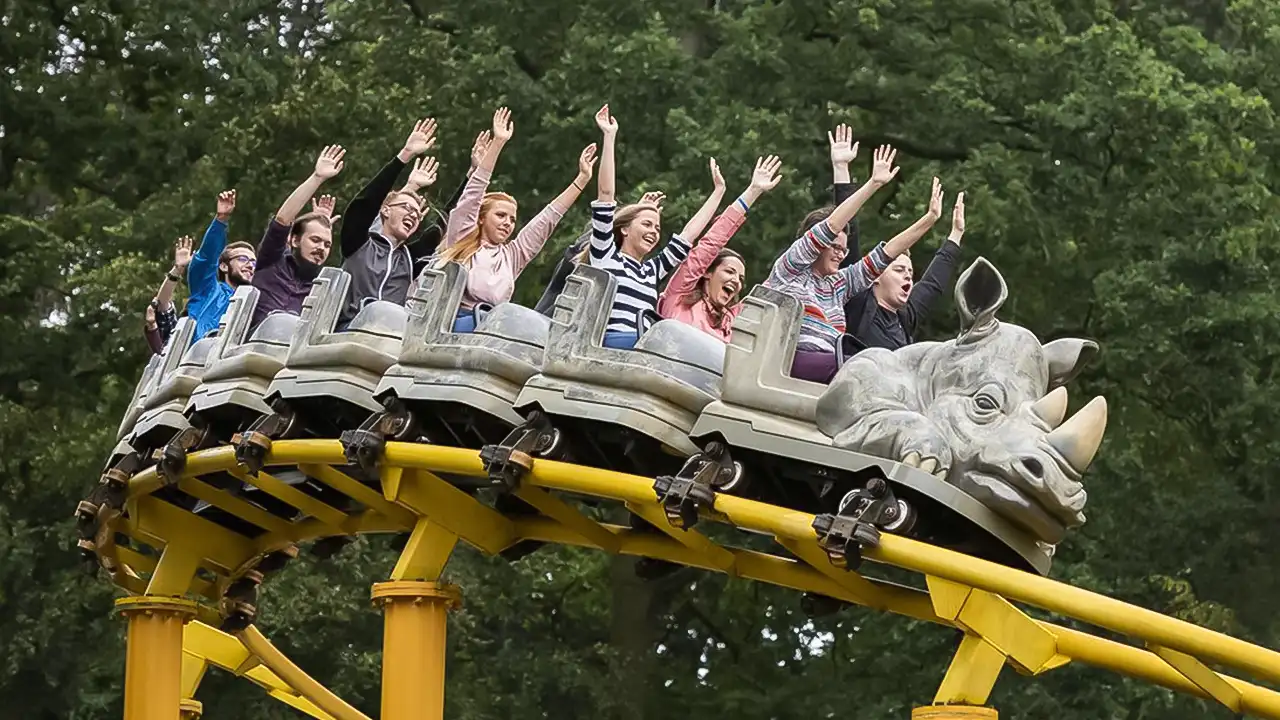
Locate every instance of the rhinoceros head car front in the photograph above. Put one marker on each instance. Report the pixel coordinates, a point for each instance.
(985, 412)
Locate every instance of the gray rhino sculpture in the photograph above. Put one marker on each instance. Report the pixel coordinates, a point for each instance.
(983, 412)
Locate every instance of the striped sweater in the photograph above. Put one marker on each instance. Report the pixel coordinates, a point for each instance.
(637, 281)
(823, 296)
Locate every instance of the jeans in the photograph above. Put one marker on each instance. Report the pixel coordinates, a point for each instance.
(620, 340)
(466, 322)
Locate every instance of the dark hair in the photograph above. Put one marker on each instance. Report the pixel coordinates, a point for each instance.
(699, 291)
(300, 225)
(227, 252)
(813, 218)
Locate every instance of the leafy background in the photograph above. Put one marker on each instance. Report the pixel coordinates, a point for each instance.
(1120, 164)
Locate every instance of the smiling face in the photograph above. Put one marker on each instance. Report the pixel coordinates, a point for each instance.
(829, 259)
(400, 216)
(237, 263)
(724, 279)
(497, 221)
(640, 235)
(311, 241)
(893, 287)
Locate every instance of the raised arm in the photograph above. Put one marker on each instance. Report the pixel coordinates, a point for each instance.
(534, 234)
(882, 171)
(181, 259)
(503, 129)
(903, 241)
(202, 273)
(364, 207)
(698, 222)
(938, 275)
(465, 215)
(606, 188)
(704, 253)
(843, 151)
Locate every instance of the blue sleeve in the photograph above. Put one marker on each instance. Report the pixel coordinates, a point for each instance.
(202, 273)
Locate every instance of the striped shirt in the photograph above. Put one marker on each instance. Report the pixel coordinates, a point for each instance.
(823, 296)
(637, 281)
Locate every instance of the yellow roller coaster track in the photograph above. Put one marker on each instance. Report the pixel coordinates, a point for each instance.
(180, 594)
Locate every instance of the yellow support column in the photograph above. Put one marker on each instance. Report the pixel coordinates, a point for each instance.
(413, 647)
(153, 660)
(953, 712)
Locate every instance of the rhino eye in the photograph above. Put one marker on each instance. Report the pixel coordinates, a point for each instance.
(986, 403)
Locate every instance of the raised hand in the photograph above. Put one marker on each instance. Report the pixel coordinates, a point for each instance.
(182, 253)
(957, 220)
(422, 139)
(843, 149)
(654, 198)
(329, 163)
(766, 176)
(323, 206)
(717, 180)
(226, 203)
(606, 122)
(150, 315)
(586, 165)
(935, 201)
(423, 174)
(882, 169)
(503, 128)
(479, 147)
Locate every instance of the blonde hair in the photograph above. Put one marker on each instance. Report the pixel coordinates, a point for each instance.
(621, 219)
(467, 245)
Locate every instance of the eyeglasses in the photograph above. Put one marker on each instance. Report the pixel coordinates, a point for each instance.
(411, 210)
(246, 260)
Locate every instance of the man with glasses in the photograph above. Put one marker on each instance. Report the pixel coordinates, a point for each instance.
(379, 262)
(217, 269)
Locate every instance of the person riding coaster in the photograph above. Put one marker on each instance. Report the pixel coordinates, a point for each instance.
(703, 291)
(479, 231)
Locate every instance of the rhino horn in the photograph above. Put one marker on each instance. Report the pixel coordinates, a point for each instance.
(1077, 439)
(1052, 408)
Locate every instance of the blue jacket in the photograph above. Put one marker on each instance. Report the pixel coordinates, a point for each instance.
(209, 296)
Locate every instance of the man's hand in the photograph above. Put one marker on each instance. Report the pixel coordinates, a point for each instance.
(423, 174)
(150, 316)
(882, 169)
(935, 202)
(422, 139)
(503, 128)
(329, 163)
(226, 204)
(586, 166)
(479, 147)
(323, 206)
(717, 180)
(182, 254)
(957, 220)
(843, 149)
(606, 122)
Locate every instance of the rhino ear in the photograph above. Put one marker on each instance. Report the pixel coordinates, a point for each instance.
(980, 292)
(1066, 358)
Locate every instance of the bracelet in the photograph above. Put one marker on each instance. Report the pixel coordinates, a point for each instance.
(175, 278)
(580, 189)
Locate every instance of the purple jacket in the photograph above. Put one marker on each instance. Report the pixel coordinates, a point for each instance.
(282, 281)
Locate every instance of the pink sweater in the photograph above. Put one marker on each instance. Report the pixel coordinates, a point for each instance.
(493, 269)
(685, 279)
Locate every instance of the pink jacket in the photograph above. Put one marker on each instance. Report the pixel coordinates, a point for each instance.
(685, 279)
(492, 271)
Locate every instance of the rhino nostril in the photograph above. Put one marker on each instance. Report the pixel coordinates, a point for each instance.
(1033, 466)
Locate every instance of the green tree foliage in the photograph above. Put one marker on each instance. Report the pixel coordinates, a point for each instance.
(1118, 160)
